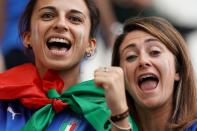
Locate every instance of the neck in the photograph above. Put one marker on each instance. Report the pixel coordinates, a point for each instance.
(70, 77)
(154, 119)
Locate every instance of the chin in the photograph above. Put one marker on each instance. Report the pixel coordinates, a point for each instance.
(150, 104)
(55, 65)
(58, 67)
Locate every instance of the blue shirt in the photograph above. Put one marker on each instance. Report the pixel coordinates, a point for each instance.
(13, 117)
(192, 127)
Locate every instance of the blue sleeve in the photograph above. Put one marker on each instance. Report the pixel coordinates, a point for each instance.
(192, 127)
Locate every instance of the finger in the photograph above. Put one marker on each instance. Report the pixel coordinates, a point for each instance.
(101, 80)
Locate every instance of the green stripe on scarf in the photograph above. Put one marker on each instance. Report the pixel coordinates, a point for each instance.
(84, 98)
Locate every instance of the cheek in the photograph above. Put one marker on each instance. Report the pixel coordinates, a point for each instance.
(129, 73)
(168, 66)
(164, 65)
(167, 70)
(129, 81)
(80, 37)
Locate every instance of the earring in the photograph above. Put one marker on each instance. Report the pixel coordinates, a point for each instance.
(88, 54)
(29, 46)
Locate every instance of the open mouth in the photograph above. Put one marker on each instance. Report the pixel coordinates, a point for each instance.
(148, 82)
(58, 46)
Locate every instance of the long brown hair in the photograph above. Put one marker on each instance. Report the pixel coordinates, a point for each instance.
(184, 97)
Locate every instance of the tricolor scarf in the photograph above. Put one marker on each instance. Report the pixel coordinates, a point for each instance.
(23, 83)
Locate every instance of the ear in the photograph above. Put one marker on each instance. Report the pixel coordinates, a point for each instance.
(91, 47)
(177, 76)
(26, 39)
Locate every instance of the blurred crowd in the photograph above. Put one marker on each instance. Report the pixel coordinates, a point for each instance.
(182, 14)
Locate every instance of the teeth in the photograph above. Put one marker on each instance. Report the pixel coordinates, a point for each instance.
(61, 40)
(146, 76)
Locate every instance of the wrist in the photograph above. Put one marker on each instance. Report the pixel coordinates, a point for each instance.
(122, 125)
(120, 116)
(120, 121)
(118, 110)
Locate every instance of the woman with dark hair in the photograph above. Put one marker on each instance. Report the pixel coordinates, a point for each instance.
(152, 63)
(48, 95)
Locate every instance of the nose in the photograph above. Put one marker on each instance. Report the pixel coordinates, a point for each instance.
(144, 61)
(61, 24)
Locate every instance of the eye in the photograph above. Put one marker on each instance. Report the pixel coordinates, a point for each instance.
(131, 58)
(155, 53)
(75, 19)
(47, 16)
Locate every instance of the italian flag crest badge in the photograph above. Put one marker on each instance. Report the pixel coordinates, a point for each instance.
(71, 126)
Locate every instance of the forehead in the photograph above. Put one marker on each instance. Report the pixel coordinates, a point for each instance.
(135, 37)
(63, 5)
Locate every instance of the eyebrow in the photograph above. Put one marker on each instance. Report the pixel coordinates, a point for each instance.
(133, 45)
(47, 7)
(76, 12)
(71, 11)
(150, 40)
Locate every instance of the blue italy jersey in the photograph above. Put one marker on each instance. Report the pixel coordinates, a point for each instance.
(192, 127)
(13, 117)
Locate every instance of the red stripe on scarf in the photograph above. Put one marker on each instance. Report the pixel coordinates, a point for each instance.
(24, 83)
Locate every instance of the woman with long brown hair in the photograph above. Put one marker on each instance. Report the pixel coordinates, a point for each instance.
(152, 63)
